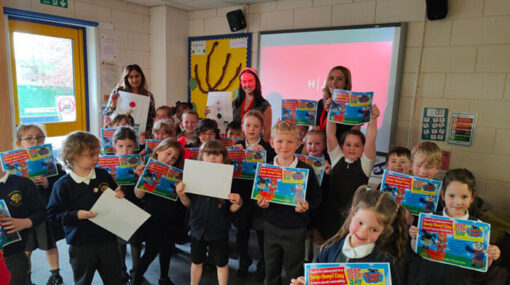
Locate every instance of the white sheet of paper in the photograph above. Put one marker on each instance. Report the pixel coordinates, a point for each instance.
(118, 216)
(136, 105)
(220, 106)
(207, 178)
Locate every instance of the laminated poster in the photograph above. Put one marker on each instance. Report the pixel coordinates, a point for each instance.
(121, 167)
(282, 185)
(160, 179)
(245, 162)
(462, 128)
(348, 273)
(107, 141)
(300, 112)
(230, 142)
(150, 145)
(457, 242)
(30, 162)
(193, 151)
(418, 195)
(6, 239)
(316, 163)
(434, 124)
(350, 108)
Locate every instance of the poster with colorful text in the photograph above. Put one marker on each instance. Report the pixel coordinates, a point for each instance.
(316, 163)
(5, 238)
(348, 273)
(433, 127)
(245, 161)
(30, 162)
(160, 179)
(193, 151)
(300, 112)
(282, 185)
(462, 128)
(350, 108)
(150, 145)
(121, 167)
(230, 142)
(418, 195)
(457, 242)
(107, 141)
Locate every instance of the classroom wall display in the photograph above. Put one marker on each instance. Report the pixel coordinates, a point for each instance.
(350, 108)
(215, 63)
(457, 242)
(433, 126)
(30, 162)
(352, 273)
(294, 64)
(281, 185)
(462, 128)
(416, 194)
(300, 112)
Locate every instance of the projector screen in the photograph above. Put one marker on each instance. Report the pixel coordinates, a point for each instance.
(295, 65)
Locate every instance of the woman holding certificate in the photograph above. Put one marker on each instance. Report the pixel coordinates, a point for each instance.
(133, 81)
(339, 77)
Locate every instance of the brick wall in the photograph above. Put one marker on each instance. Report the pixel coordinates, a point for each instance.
(461, 62)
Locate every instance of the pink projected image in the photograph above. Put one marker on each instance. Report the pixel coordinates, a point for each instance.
(299, 72)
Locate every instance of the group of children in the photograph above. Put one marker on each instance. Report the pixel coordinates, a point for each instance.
(340, 220)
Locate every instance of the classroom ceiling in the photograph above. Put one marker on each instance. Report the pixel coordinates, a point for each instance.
(192, 5)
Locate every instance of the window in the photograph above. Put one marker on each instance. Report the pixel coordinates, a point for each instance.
(48, 76)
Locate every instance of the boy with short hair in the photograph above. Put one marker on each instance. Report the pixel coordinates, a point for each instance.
(234, 130)
(426, 159)
(399, 160)
(285, 226)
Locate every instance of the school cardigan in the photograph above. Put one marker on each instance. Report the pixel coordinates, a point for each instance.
(23, 201)
(332, 253)
(285, 216)
(209, 217)
(68, 197)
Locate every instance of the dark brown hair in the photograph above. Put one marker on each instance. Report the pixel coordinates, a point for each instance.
(257, 93)
(214, 147)
(393, 238)
(461, 175)
(126, 117)
(399, 151)
(123, 83)
(347, 78)
(123, 133)
(203, 126)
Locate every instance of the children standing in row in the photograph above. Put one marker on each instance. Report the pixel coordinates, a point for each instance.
(91, 247)
(46, 235)
(209, 219)
(162, 227)
(285, 226)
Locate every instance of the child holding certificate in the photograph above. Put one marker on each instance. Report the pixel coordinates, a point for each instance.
(457, 194)
(91, 247)
(46, 235)
(164, 224)
(374, 231)
(209, 219)
(285, 227)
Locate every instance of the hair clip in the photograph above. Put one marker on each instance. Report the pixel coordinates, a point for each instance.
(367, 188)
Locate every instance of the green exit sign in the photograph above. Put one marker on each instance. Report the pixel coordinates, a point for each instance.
(56, 3)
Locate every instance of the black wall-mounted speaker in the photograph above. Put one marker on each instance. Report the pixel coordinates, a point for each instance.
(437, 9)
(236, 20)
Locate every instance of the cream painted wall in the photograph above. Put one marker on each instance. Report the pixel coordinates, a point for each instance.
(461, 62)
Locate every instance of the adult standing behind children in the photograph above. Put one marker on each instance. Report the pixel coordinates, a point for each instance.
(339, 77)
(132, 80)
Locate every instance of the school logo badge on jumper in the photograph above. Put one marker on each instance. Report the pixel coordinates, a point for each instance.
(15, 198)
(103, 186)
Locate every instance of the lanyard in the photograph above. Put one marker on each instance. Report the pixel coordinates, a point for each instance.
(323, 120)
(249, 107)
